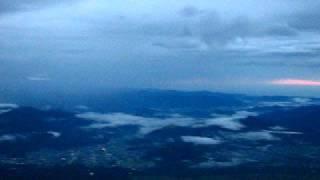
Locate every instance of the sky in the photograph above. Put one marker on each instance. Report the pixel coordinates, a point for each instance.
(269, 47)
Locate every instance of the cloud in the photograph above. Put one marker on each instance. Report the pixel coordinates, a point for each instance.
(228, 122)
(198, 140)
(212, 163)
(278, 128)
(307, 19)
(5, 111)
(284, 132)
(190, 11)
(183, 44)
(257, 136)
(9, 6)
(294, 102)
(152, 47)
(295, 82)
(7, 137)
(7, 107)
(38, 78)
(148, 125)
(303, 44)
(11, 137)
(81, 108)
(54, 134)
(235, 36)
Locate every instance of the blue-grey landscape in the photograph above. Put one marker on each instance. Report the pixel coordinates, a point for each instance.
(154, 89)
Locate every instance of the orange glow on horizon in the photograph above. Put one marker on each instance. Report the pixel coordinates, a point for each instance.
(295, 82)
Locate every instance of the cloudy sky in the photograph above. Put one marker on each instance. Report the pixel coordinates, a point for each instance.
(245, 46)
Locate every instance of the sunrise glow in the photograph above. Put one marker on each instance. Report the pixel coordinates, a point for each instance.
(296, 82)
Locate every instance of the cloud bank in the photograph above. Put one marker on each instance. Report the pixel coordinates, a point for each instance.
(257, 136)
(147, 125)
(7, 107)
(198, 140)
(226, 46)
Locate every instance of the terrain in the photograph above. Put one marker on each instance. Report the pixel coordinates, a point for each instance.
(157, 134)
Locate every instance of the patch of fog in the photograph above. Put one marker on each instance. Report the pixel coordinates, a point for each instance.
(146, 124)
(294, 102)
(198, 140)
(285, 132)
(149, 124)
(212, 163)
(7, 107)
(5, 111)
(54, 134)
(302, 100)
(228, 122)
(256, 136)
(82, 108)
(7, 137)
(278, 128)
(282, 130)
(11, 137)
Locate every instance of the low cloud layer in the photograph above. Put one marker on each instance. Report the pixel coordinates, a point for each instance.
(5, 138)
(11, 137)
(228, 122)
(294, 102)
(147, 125)
(38, 78)
(257, 136)
(198, 140)
(54, 134)
(7, 107)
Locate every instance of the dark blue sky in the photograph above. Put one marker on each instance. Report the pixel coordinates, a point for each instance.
(245, 46)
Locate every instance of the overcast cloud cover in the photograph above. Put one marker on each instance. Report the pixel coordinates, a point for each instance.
(222, 45)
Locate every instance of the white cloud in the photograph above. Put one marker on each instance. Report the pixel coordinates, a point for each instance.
(201, 140)
(148, 124)
(5, 111)
(7, 137)
(11, 137)
(8, 105)
(266, 135)
(229, 122)
(285, 132)
(301, 100)
(54, 134)
(38, 78)
(294, 102)
(256, 136)
(278, 128)
(212, 163)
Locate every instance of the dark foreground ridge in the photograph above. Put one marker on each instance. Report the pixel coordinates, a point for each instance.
(81, 172)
